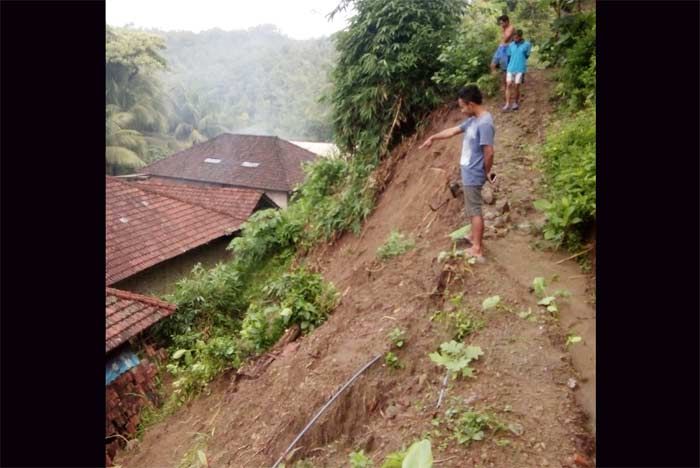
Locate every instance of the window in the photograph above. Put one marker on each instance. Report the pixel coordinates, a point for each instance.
(250, 164)
(212, 161)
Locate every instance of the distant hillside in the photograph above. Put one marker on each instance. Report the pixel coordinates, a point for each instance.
(259, 81)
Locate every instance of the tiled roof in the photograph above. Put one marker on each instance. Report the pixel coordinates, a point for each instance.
(278, 162)
(237, 202)
(144, 228)
(129, 314)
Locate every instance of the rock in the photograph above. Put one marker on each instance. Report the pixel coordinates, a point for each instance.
(391, 412)
(471, 399)
(524, 227)
(571, 383)
(368, 443)
(421, 380)
(502, 205)
(516, 428)
(487, 195)
(489, 215)
(501, 221)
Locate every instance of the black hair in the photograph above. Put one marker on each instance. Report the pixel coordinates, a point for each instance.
(519, 32)
(470, 93)
(503, 18)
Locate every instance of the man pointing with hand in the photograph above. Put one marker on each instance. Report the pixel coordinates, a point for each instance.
(476, 158)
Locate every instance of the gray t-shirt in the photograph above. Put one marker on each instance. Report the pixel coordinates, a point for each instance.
(477, 132)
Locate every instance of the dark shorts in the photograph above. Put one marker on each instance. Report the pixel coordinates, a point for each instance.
(472, 200)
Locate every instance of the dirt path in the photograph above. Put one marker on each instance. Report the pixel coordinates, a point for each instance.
(522, 378)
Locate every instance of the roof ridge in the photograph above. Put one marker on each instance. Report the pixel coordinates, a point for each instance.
(181, 200)
(141, 298)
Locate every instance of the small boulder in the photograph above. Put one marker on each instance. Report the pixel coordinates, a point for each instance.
(487, 195)
(502, 205)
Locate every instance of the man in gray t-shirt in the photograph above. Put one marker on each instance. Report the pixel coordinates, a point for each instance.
(476, 158)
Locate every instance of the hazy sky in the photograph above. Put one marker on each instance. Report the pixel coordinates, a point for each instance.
(300, 19)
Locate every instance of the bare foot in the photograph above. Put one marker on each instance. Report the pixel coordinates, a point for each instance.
(475, 253)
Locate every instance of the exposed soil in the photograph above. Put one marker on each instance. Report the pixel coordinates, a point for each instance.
(523, 376)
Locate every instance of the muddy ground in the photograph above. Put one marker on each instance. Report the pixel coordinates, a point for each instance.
(524, 378)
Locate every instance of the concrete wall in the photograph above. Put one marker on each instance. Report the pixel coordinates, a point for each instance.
(161, 278)
(281, 198)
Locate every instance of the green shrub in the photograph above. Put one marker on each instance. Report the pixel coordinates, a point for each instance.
(194, 367)
(299, 297)
(577, 75)
(386, 57)
(569, 165)
(395, 245)
(468, 55)
(489, 84)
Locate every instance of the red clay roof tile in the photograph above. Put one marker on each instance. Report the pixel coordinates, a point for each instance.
(128, 314)
(169, 226)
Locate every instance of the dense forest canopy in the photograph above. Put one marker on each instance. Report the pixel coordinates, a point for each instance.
(261, 81)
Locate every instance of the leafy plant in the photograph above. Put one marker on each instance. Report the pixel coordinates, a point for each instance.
(569, 166)
(549, 302)
(572, 339)
(418, 455)
(455, 357)
(470, 426)
(391, 360)
(467, 56)
(385, 62)
(490, 302)
(397, 337)
(360, 460)
(299, 297)
(461, 233)
(396, 244)
(488, 84)
(539, 285)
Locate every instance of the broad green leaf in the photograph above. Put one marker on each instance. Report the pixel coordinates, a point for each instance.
(547, 300)
(490, 302)
(572, 339)
(179, 353)
(538, 284)
(419, 455)
(202, 457)
(461, 232)
(542, 205)
(552, 307)
(525, 313)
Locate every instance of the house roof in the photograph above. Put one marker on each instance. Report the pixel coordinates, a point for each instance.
(237, 202)
(145, 228)
(275, 164)
(128, 314)
(319, 148)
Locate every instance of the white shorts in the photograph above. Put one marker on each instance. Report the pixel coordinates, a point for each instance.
(514, 77)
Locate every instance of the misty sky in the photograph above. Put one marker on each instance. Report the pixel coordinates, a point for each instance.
(299, 19)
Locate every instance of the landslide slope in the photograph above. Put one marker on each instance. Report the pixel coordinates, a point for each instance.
(523, 378)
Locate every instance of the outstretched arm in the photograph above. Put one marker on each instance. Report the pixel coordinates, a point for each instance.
(447, 133)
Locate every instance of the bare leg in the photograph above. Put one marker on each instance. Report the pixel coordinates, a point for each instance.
(517, 93)
(477, 235)
(508, 86)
